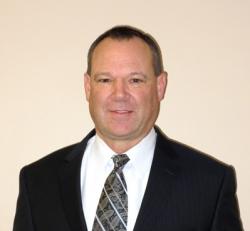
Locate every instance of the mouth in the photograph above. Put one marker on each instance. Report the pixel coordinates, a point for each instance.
(121, 111)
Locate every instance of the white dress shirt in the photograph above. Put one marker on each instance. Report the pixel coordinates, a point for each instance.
(97, 165)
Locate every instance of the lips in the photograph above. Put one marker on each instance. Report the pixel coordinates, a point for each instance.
(122, 112)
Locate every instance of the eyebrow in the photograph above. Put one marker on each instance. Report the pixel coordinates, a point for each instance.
(110, 75)
(139, 73)
(101, 73)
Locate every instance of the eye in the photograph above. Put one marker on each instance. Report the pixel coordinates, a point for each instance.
(104, 80)
(136, 80)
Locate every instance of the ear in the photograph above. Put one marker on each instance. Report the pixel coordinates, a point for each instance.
(87, 86)
(162, 81)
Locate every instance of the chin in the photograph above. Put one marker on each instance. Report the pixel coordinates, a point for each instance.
(120, 133)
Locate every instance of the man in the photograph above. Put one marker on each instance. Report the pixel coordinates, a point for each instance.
(125, 174)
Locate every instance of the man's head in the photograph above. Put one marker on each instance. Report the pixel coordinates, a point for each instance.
(124, 86)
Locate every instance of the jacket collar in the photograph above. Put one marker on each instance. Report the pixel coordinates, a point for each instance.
(164, 171)
(69, 177)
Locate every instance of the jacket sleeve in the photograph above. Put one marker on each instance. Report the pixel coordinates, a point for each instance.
(23, 217)
(227, 216)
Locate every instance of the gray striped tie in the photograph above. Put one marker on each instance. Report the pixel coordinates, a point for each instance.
(112, 210)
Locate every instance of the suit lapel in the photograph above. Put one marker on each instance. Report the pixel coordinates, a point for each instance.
(161, 179)
(70, 186)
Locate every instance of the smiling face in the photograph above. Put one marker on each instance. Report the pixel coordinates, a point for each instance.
(123, 92)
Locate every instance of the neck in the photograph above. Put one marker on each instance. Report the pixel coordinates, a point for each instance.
(120, 145)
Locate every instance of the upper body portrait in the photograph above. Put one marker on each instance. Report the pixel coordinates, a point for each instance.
(126, 174)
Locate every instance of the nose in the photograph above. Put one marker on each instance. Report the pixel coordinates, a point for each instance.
(120, 89)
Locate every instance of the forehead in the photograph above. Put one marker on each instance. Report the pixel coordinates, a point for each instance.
(122, 52)
(133, 46)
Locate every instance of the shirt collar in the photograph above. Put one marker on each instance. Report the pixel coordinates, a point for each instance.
(140, 155)
(102, 154)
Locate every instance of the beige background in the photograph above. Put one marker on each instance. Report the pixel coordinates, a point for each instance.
(43, 45)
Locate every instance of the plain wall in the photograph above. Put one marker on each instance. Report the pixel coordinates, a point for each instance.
(206, 50)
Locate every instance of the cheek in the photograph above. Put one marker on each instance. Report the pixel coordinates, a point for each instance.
(97, 98)
(146, 100)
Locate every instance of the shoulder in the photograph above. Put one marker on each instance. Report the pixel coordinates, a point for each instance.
(49, 163)
(193, 169)
(56, 158)
(190, 159)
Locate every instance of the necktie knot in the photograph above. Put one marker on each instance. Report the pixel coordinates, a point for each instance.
(120, 160)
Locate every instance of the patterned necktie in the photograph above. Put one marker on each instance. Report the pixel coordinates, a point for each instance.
(112, 210)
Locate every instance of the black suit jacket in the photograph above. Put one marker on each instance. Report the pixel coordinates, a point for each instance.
(186, 191)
